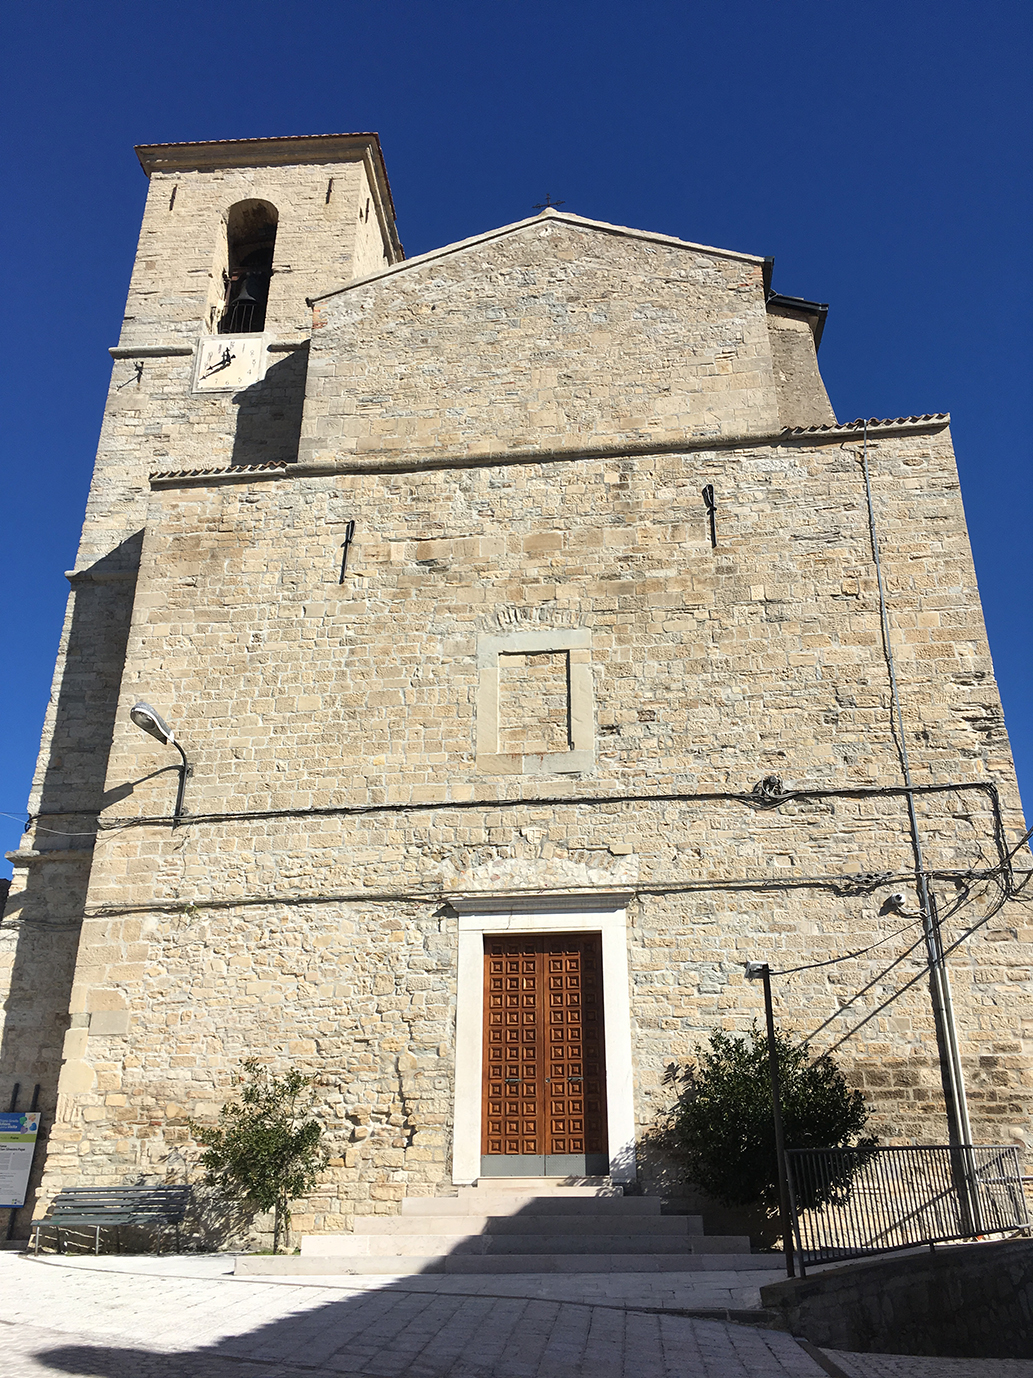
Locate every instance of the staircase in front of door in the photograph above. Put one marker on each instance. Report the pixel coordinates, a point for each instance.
(529, 1225)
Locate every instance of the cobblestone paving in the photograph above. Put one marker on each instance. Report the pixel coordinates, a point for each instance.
(119, 1325)
(909, 1366)
(108, 1322)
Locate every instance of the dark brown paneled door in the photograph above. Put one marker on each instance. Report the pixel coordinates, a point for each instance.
(544, 1080)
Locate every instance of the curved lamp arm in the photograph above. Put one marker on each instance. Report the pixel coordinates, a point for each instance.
(151, 722)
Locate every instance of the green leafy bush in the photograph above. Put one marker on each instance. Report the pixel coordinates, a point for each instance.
(721, 1133)
(263, 1151)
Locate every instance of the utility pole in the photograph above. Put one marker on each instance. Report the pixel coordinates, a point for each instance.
(952, 1076)
(762, 971)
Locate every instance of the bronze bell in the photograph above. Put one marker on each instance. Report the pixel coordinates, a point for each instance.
(244, 294)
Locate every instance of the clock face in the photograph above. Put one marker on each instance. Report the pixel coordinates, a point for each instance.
(227, 363)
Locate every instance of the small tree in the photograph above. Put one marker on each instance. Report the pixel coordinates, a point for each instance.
(263, 1151)
(721, 1131)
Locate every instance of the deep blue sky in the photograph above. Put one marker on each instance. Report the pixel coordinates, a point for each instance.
(880, 151)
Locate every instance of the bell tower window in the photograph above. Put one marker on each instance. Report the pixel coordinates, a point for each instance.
(250, 241)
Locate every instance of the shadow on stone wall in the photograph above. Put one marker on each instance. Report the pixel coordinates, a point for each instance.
(269, 413)
(660, 1175)
(46, 903)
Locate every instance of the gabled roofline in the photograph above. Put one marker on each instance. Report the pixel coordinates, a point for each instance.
(579, 221)
(284, 150)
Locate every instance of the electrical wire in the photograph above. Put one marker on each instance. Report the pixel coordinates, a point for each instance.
(54, 832)
(926, 968)
(59, 832)
(881, 976)
(1003, 898)
(846, 956)
(1001, 875)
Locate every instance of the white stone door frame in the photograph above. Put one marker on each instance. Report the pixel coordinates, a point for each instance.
(604, 913)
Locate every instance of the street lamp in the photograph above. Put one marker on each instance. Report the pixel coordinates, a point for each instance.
(761, 971)
(155, 726)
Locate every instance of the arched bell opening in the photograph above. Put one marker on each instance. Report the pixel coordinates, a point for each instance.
(251, 240)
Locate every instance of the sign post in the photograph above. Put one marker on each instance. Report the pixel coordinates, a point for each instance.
(17, 1145)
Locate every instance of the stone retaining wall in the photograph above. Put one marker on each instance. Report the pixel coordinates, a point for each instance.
(967, 1301)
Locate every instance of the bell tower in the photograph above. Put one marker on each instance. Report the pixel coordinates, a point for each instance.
(286, 218)
(210, 366)
(209, 371)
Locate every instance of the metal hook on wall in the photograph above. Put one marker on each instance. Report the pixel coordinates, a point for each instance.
(711, 506)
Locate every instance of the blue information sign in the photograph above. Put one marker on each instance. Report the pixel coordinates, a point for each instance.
(17, 1144)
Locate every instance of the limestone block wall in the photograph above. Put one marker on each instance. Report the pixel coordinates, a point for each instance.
(318, 934)
(326, 234)
(710, 665)
(802, 399)
(555, 333)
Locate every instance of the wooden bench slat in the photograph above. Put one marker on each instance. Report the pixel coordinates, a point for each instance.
(119, 1202)
(114, 1206)
(142, 1192)
(71, 1218)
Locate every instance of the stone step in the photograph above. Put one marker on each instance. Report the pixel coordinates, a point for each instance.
(322, 1266)
(509, 1203)
(423, 1245)
(558, 1221)
(550, 1242)
(547, 1186)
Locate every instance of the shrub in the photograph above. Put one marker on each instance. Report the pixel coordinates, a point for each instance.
(721, 1133)
(263, 1152)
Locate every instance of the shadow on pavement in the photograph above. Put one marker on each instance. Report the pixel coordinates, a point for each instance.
(393, 1330)
(391, 1333)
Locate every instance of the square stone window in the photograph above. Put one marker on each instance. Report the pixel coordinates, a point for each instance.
(534, 702)
(535, 711)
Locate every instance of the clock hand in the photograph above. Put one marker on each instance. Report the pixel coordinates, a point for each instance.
(227, 358)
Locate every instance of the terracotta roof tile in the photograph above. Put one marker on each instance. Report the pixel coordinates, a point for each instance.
(278, 464)
(872, 422)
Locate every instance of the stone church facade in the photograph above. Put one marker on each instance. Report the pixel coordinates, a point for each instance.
(517, 611)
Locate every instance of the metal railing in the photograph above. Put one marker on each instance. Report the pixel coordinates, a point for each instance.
(851, 1202)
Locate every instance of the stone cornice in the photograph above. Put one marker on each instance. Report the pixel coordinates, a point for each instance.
(390, 462)
(538, 902)
(27, 858)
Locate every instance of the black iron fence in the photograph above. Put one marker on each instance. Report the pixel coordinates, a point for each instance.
(852, 1202)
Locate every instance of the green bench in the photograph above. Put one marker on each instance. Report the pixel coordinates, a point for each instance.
(103, 1206)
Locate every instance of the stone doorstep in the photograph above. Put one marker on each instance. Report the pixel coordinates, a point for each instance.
(546, 1186)
(258, 1265)
(510, 1203)
(444, 1246)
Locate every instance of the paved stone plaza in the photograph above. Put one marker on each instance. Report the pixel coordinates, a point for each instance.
(190, 1318)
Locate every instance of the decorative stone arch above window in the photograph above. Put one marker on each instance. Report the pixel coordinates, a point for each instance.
(535, 705)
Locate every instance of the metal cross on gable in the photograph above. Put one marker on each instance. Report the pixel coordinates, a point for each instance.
(545, 205)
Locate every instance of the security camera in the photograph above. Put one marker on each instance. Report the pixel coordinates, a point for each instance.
(896, 901)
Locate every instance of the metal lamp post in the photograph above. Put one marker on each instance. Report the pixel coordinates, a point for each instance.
(761, 971)
(155, 726)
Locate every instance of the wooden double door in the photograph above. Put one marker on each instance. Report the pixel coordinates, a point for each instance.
(544, 1068)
